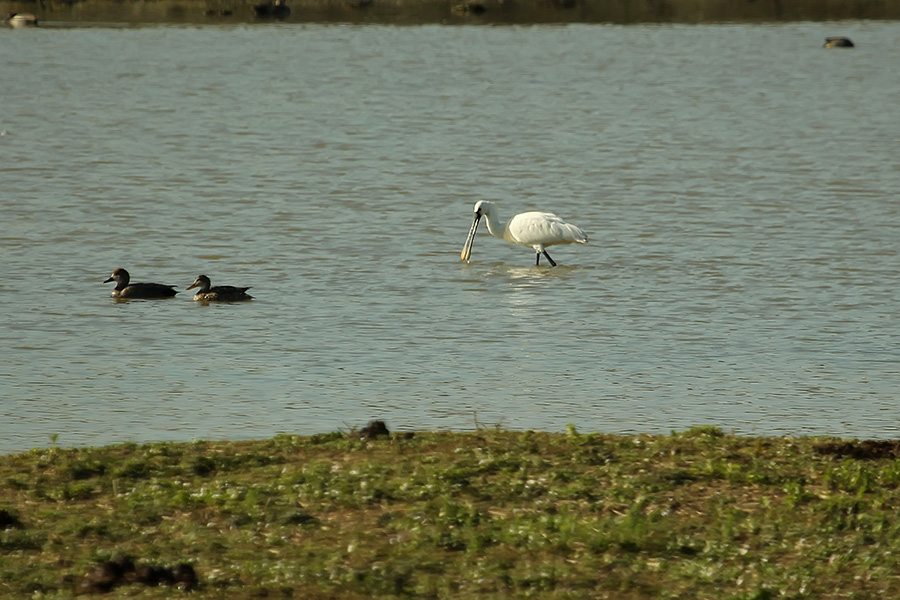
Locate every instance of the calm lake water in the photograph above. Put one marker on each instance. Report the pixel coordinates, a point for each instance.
(738, 182)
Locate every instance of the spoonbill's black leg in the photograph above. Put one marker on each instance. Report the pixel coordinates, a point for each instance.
(552, 262)
(537, 261)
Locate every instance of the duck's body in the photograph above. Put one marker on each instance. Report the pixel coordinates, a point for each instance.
(839, 42)
(535, 229)
(218, 293)
(125, 289)
(14, 19)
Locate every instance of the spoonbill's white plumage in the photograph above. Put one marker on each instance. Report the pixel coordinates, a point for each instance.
(535, 229)
(16, 20)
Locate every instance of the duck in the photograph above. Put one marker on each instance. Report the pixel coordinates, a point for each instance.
(839, 42)
(219, 293)
(15, 19)
(124, 289)
(276, 10)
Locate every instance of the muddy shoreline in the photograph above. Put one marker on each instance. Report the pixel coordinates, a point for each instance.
(458, 11)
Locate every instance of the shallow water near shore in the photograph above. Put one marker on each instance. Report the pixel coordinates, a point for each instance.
(738, 184)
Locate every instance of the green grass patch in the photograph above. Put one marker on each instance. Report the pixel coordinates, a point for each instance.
(490, 514)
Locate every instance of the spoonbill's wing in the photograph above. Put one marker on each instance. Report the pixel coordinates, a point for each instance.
(543, 229)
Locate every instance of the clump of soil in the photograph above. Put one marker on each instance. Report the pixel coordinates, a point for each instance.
(865, 450)
(9, 520)
(122, 570)
(373, 430)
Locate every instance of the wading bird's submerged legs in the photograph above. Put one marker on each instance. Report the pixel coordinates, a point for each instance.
(537, 262)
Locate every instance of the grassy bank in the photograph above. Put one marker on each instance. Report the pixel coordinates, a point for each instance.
(60, 12)
(488, 514)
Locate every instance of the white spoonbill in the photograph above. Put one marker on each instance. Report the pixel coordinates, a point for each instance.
(535, 229)
(16, 20)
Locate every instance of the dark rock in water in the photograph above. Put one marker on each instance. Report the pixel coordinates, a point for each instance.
(839, 42)
(272, 10)
(373, 430)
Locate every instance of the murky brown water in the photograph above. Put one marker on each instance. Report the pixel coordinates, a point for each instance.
(738, 183)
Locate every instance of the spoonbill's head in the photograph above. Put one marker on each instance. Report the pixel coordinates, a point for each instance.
(482, 208)
(202, 282)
